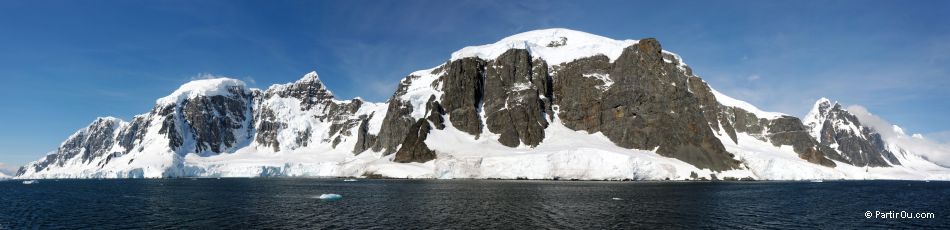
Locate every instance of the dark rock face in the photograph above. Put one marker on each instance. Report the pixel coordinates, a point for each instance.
(397, 121)
(267, 128)
(364, 140)
(310, 90)
(860, 146)
(129, 137)
(303, 137)
(462, 85)
(169, 129)
(790, 131)
(647, 107)
(785, 130)
(95, 142)
(89, 143)
(747, 122)
(414, 148)
(639, 101)
(577, 97)
(514, 99)
(315, 99)
(211, 121)
(132, 135)
(711, 108)
(642, 100)
(435, 113)
(214, 120)
(781, 131)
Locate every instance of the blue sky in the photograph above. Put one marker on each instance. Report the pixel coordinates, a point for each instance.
(63, 63)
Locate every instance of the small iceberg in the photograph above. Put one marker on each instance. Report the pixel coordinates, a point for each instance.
(330, 196)
(29, 182)
(616, 198)
(817, 181)
(350, 180)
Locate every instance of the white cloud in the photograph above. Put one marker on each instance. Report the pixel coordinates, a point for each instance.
(942, 136)
(205, 76)
(754, 77)
(937, 152)
(249, 80)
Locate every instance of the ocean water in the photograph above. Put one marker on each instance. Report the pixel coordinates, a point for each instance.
(467, 204)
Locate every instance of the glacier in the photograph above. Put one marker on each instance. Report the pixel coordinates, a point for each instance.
(221, 128)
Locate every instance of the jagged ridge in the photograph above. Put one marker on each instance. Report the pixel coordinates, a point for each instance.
(489, 111)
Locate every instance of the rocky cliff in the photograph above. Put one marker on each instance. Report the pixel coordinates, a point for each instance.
(543, 104)
(838, 129)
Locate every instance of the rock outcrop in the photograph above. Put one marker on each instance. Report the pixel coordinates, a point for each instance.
(83, 146)
(516, 98)
(838, 129)
(630, 95)
(639, 101)
(414, 148)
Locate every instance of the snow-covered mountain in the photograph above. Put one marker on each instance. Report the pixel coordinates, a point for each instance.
(544, 104)
(860, 145)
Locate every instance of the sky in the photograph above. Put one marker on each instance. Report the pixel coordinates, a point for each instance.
(64, 63)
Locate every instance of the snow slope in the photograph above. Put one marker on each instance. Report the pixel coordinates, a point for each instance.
(555, 46)
(205, 87)
(304, 145)
(913, 147)
(732, 102)
(767, 162)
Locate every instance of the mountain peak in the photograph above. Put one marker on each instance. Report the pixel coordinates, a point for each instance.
(820, 110)
(203, 87)
(310, 77)
(109, 118)
(555, 34)
(482, 110)
(556, 46)
(823, 101)
(898, 130)
(817, 114)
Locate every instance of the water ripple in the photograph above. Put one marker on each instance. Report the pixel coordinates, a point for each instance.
(464, 204)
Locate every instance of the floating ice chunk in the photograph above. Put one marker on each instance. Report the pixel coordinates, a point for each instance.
(29, 182)
(330, 196)
(616, 198)
(350, 180)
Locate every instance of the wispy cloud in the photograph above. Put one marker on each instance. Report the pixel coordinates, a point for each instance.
(939, 136)
(249, 80)
(204, 76)
(383, 52)
(932, 150)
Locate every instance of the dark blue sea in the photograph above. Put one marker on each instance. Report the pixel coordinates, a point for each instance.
(469, 204)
